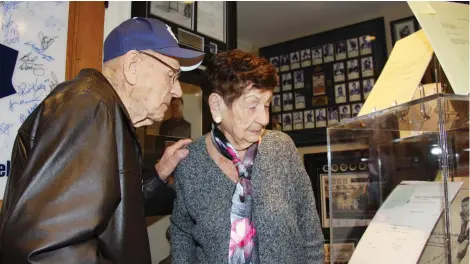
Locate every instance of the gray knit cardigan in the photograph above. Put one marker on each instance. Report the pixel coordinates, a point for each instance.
(284, 210)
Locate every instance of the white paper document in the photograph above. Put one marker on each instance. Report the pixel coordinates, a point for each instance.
(403, 224)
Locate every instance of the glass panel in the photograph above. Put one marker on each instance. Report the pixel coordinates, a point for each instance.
(418, 141)
(211, 19)
(178, 12)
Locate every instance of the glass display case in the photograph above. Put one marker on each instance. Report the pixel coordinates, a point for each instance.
(424, 141)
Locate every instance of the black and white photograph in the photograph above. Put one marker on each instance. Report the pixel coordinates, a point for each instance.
(320, 117)
(332, 115)
(367, 67)
(317, 56)
(178, 12)
(354, 91)
(276, 103)
(286, 79)
(295, 60)
(318, 83)
(288, 101)
(277, 88)
(298, 121)
(308, 119)
(341, 50)
(338, 72)
(328, 53)
(340, 93)
(344, 112)
(352, 204)
(275, 62)
(306, 58)
(320, 100)
(353, 69)
(365, 45)
(353, 48)
(285, 63)
(213, 47)
(276, 121)
(356, 108)
(402, 28)
(299, 79)
(367, 86)
(299, 101)
(287, 122)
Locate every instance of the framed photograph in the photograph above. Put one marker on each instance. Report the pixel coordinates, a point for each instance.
(319, 100)
(353, 69)
(299, 79)
(298, 121)
(213, 47)
(342, 250)
(286, 79)
(367, 86)
(275, 62)
(288, 101)
(351, 203)
(277, 88)
(356, 108)
(354, 91)
(365, 45)
(318, 83)
(404, 27)
(367, 67)
(276, 103)
(178, 12)
(287, 122)
(328, 53)
(299, 101)
(338, 72)
(340, 93)
(344, 112)
(353, 48)
(317, 56)
(306, 58)
(295, 60)
(285, 64)
(211, 17)
(341, 50)
(276, 121)
(308, 119)
(332, 113)
(320, 117)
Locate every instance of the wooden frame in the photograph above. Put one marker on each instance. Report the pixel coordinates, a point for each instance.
(407, 21)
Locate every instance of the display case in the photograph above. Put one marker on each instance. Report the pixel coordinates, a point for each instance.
(425, 140)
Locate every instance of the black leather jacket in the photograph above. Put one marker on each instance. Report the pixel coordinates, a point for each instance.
(75, 193)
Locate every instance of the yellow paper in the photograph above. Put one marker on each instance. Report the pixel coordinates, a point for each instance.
(402, 73)
(446, 26)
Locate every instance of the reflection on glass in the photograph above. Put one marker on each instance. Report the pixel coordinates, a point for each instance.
(178, 12)
(211, 19)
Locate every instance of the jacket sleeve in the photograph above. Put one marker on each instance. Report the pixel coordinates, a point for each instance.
(68, 188)
(308, 221)
(183, 248)
(158, 196)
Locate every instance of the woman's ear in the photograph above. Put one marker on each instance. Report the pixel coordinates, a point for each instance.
(130, 66)
(217, 105)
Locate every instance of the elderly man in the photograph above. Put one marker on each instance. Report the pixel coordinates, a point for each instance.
(76, 194)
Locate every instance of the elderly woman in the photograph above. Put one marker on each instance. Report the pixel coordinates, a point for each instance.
(243, 195)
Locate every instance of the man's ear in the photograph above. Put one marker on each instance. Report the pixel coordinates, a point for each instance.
(130, 67)
(217, 105)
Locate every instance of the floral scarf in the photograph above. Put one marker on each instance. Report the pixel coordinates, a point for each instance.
(243, 247)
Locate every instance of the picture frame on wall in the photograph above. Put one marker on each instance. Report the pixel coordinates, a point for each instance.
(276, 103)
(332, 113)
(356, 108)
(367, 86)
(299, 101)
(287, 122)
(338, 72)
(367, 66)
(277, 88)
(341, 50)
(353, 48)
(287, 101)
(308, 119)
(285, 64)
(286, 79)
(328, 53)
(213, 47)
(319, 101)
(365, 45)
(295, 60)
(306, 58)
(298, 121)
(318, 83)
(299, 79)
(317, 56)
(320, 117)
(179, 12)
(275, 62)
(340, 93)
(344, 112)
(353, 69)
(354, 91)
(404, 27)
(276, 121)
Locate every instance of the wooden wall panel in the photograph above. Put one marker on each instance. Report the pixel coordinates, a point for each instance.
(85, 37)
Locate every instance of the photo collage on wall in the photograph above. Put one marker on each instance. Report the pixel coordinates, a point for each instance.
(351, 62)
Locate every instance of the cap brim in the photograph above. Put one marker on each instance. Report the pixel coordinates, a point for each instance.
(188, 59)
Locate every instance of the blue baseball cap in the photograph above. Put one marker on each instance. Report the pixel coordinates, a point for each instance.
(149, 34)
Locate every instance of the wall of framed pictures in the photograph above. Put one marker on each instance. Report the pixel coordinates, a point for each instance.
(325, 78)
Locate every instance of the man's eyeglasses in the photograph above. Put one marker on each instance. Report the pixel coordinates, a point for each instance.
(176, 72)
